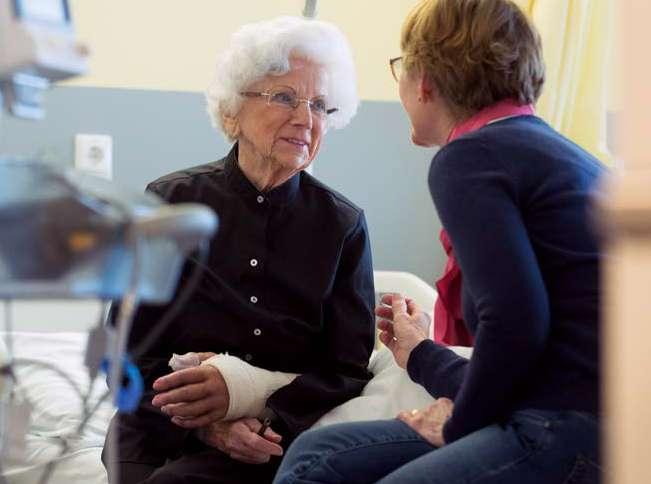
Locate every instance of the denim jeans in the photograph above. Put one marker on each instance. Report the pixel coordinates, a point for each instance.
(531, 447)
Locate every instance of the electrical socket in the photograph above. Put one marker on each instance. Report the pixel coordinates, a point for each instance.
(94, 154)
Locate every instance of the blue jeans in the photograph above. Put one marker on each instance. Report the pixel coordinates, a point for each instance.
(531, 447)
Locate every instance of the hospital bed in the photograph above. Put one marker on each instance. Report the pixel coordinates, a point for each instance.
(57, 411)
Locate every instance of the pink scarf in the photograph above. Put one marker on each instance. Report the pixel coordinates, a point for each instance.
(449, 327)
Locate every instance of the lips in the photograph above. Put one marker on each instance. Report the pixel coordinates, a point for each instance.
(297, 142)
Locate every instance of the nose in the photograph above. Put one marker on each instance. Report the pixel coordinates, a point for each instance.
(303, 115)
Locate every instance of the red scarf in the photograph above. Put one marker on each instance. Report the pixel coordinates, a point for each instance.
(449, 327)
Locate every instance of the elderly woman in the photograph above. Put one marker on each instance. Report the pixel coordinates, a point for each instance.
(287, 295)
(513, 196)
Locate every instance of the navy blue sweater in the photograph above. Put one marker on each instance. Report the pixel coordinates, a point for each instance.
(514, 197)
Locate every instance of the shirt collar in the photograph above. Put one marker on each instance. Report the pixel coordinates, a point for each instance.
(506, 108)
(237, 180)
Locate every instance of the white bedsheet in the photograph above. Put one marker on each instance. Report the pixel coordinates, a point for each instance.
(57, 408)
(57, 412)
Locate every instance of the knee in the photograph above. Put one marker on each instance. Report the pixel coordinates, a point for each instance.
(307, 452)
(315, 442)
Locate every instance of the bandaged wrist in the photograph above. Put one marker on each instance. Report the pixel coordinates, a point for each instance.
(249, 387)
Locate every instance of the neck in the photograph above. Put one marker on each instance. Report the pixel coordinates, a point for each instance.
(443, 129)
(445, 120)
(262, 171)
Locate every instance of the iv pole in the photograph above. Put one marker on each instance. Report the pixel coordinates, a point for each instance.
(310, 9)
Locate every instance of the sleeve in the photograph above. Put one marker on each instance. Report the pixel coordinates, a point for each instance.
(477, 200)
(347, 342)
(439, 370)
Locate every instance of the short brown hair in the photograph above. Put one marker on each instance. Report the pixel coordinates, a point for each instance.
(477, 52)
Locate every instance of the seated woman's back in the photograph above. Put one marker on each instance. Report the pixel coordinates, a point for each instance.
(535, 190)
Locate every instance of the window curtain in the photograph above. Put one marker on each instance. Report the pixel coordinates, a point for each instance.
(576, 35)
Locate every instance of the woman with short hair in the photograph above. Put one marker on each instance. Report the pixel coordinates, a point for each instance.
(286, 300)
(513, 197)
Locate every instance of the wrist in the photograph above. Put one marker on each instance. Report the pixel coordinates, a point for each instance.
(414, 358)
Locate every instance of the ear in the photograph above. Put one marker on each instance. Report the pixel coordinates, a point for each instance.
(231, 126)
(426, 89)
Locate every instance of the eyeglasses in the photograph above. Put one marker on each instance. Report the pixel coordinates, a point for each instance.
(396, 67)
(286, 97)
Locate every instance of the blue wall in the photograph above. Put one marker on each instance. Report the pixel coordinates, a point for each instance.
(371, 161)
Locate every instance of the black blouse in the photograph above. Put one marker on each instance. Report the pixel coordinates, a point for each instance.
(288, 287)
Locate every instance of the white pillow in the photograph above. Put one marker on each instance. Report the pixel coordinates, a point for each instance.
(389, 392)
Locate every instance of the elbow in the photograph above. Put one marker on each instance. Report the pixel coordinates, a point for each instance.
(522, 327)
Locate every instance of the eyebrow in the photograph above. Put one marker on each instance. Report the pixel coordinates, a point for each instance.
(295, 91)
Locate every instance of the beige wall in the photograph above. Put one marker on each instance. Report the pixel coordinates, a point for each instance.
(171, 44)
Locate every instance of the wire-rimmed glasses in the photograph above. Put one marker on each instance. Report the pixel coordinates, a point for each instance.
(286, 97)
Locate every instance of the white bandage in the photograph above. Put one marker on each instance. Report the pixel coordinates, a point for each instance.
(249, 387)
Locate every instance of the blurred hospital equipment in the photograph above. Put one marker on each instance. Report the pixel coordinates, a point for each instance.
(37, 47)
(65, 235)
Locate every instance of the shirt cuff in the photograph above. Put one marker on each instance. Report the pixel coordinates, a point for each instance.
(450, 431)
(415, 364)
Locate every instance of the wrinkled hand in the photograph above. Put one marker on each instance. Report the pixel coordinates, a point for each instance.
(240, 440)
(403, 326)
(193, 397)
(429, 422)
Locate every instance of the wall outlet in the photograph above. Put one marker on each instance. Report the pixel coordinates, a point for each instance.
(94, 154)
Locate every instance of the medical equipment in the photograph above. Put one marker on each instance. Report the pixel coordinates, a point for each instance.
(37, 47)
(66, 235)
(309, 11)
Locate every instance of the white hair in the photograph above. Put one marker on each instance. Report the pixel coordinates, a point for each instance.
(264, 48)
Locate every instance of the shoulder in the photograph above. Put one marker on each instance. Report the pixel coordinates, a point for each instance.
(464, 159)
(182, 185)
(333, 202)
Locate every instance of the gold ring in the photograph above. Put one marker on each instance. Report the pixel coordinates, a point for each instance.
(414, 412)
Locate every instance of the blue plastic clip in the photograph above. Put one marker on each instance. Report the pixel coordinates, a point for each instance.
(130, 392)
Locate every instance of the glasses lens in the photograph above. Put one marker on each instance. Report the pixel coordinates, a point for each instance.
(283, 97)
(319, 106)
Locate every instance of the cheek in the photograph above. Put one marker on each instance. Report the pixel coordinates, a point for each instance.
(317, 136)
(262, 130)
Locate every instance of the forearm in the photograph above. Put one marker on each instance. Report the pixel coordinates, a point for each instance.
(249, 387)
(438, 369)
(500, 362)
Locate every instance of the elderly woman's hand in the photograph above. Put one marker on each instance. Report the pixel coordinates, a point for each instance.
(193, 397)
(240, 440)
(429, 422)
(403, 326)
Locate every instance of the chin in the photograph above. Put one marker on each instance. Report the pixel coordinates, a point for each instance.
(293, 163)
(421, 142)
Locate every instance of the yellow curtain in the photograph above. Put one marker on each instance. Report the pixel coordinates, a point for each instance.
(576, 35)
